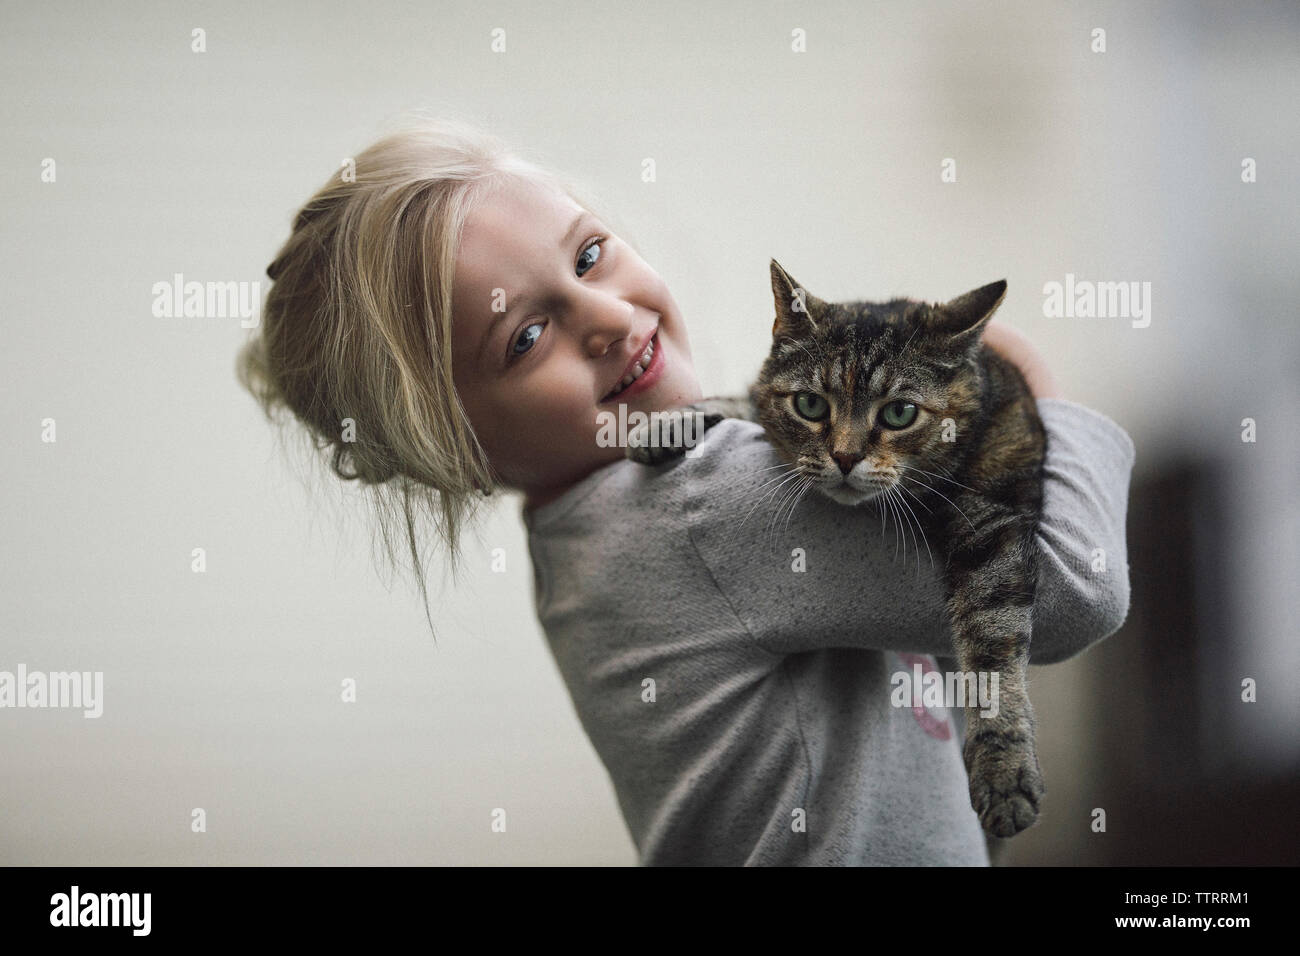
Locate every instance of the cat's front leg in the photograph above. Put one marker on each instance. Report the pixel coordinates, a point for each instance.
(670, 434)
(992, 573)
(1006, 782)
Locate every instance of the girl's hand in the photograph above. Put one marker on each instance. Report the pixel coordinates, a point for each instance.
(1014, 346)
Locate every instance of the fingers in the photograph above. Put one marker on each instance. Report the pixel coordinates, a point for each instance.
(1016, 347)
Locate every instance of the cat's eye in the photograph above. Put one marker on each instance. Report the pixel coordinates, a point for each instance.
(811, 406)
(898, 414)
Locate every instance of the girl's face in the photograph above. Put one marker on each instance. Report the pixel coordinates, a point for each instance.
(549, 311)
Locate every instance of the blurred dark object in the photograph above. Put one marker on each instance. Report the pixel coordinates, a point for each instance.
(1174, 766)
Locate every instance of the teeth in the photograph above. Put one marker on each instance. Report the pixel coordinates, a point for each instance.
(637, 370)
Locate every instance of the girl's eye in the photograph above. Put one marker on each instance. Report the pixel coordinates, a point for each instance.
(525, 339)
(898, 414)
(811, 406)
(587, 256)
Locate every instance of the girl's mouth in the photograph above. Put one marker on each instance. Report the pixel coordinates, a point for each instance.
(650, 371)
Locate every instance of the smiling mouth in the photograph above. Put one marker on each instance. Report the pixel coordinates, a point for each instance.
(638, 369)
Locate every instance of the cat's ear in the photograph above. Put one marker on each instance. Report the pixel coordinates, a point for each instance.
(794, 306)
(964, 317)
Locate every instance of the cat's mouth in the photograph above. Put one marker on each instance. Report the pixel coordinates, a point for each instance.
(865, 489)
(846, 494)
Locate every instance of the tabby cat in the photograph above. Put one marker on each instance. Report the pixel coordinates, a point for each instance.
(871, 401)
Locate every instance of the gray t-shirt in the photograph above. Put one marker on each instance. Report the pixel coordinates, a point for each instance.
(731, 662)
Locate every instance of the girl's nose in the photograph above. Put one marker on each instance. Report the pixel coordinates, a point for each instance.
(605, 320)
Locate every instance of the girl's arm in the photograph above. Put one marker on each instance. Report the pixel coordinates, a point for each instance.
(831, 575)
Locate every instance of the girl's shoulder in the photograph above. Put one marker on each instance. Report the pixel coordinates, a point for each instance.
(724, 462)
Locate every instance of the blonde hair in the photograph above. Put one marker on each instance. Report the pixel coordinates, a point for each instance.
(357, 325)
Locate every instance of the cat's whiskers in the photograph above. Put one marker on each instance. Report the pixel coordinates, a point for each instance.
(745, 492)
(808, 485)
(888, 503)
(941, 477)
(941, 495)
(919, 526)
(917, 498)
(783, 495)
(907, 528)
(781, 498)
(790, 496)
(911, 518)
(898, 524)
(797, 497)
(779, 481)
(878, 501)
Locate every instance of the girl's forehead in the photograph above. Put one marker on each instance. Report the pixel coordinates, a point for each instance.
(505, 201)
(515, 223)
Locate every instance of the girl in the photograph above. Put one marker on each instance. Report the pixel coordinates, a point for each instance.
(451, 320)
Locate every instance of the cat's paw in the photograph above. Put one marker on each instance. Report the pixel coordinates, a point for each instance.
(640, 450)
(665, 439)
(1006, 784)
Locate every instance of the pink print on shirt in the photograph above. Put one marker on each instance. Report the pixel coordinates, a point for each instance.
(934, 724)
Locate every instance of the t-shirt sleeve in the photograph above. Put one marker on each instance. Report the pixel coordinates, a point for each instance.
(804, 572)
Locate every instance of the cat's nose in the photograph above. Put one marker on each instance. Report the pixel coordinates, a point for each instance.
(846, 462)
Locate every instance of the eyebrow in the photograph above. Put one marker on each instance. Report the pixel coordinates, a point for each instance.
(516, 302)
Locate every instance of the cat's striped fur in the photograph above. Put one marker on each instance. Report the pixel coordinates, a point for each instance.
(967, 472)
